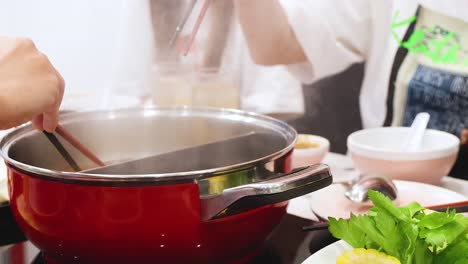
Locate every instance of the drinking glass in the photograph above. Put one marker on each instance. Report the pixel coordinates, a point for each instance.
(212, 87)
(170, 84)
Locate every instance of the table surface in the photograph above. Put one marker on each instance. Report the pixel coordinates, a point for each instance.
(341, 167)
(287, 244)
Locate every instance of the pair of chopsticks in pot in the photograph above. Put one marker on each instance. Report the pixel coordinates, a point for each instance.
(460, 207)
(74, 142)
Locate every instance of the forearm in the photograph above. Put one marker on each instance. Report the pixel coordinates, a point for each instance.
(269, 36)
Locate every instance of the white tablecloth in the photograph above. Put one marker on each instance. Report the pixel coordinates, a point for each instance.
(341, 167)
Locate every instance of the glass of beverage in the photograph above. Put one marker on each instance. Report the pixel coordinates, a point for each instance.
(170, 85)
(212, 87)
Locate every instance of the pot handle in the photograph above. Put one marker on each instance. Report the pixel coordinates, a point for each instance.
(284, 187)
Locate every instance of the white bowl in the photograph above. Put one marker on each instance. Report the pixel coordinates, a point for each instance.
(378, 150)
(310, 155)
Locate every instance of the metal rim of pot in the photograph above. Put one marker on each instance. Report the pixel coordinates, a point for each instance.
(84, 178)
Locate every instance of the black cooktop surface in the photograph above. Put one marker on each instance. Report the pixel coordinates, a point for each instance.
(288, 244)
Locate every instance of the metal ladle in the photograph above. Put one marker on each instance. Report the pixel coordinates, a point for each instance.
(358, 188)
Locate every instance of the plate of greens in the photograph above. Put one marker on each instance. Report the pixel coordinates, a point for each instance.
(389, 234)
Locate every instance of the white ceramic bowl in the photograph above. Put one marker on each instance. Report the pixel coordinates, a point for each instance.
(310, 155)
(378, 150)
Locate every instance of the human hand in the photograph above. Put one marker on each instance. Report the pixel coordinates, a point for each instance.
(30, 87)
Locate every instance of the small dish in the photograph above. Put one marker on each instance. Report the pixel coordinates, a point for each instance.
(3, 192)
(3, 184)
(309, 150)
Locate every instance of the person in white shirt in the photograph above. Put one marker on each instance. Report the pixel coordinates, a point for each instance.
(221, 45)
(415, 53)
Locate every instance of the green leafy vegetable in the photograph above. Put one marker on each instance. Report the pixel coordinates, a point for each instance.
(411, 233)
(355, 237)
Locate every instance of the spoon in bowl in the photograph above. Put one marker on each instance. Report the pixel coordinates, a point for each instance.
(357, 189)
(416, 132)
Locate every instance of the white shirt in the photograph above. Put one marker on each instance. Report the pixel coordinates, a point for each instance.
(337, 33)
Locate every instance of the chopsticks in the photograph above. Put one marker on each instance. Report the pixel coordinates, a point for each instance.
(74, 142)
(202, 14)
(61, 149)
(460, 207)
(77, 144)
(181, 25)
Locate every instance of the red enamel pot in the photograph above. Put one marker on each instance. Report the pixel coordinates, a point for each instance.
(222, 212)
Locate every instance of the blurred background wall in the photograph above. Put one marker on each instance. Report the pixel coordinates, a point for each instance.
(98, 46)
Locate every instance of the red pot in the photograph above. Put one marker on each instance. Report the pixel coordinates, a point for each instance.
(153, 218)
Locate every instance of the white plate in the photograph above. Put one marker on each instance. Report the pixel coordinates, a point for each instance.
(331, 201)
(3, 182)
(329, 254)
